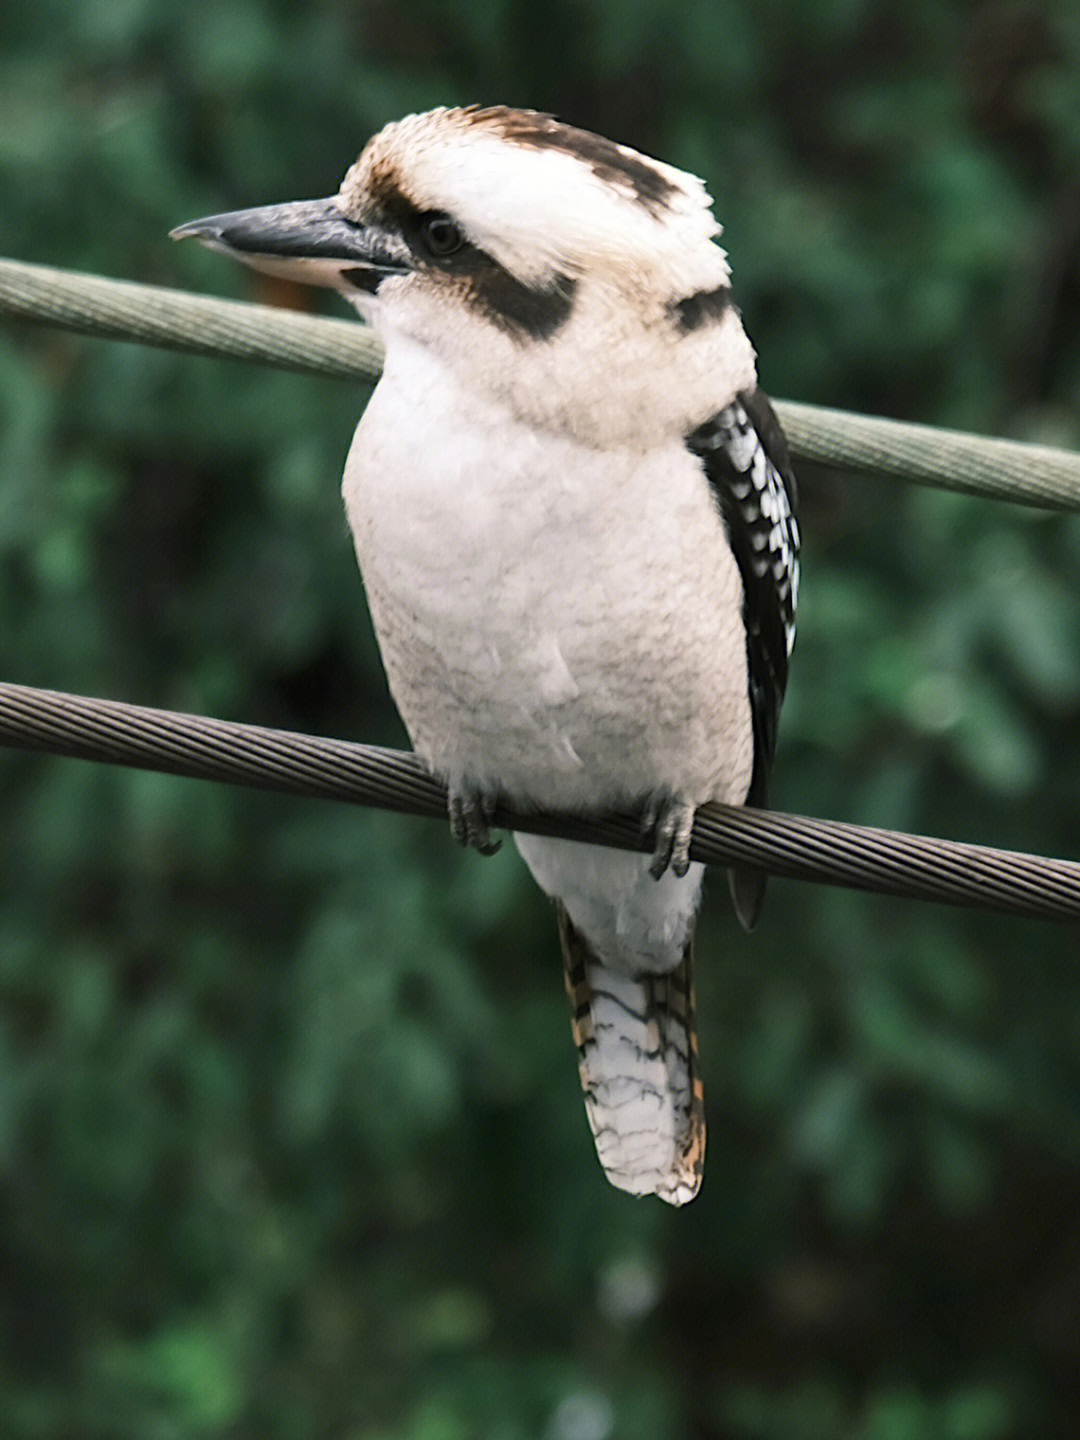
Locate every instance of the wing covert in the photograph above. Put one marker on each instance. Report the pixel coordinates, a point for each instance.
(746, 461)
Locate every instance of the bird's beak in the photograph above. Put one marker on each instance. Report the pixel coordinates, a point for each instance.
(306, 240)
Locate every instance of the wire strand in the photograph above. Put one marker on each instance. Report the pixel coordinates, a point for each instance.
(826, 851)
(124, 310)
(197, 324)
(795, 846)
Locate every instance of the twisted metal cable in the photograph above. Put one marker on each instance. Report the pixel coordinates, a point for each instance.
(826, 851)
(976, 464)
(1003, 469)
(198, 324)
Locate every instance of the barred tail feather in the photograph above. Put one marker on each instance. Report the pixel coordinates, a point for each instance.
(638, 1059)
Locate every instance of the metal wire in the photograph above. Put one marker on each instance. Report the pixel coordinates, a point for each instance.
(826, 851)
(198, 324)
(818, 850)
(976, 464)
(1003, 469)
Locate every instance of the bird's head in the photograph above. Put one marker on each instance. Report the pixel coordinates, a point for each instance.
(503, 240)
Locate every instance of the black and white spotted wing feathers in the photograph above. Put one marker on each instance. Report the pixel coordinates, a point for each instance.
(745, 456)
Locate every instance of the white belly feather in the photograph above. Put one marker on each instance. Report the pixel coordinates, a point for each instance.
(558, 623)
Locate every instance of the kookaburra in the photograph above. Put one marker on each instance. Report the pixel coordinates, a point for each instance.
(573, 512)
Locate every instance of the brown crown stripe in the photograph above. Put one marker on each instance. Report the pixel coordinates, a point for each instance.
(608, 161)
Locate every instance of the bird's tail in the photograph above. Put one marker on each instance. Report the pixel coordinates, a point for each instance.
(638, 1059)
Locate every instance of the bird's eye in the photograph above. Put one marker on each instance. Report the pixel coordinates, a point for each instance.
(441, 236)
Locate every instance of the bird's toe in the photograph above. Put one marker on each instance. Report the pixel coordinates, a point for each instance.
(671, 823)
(471, 813)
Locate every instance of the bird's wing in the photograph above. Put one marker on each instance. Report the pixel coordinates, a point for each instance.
(746, 461)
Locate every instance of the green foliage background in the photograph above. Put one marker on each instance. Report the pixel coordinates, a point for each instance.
(290, 1138)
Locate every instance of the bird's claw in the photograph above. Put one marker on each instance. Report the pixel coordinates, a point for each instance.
(670, 823)
(471, 814)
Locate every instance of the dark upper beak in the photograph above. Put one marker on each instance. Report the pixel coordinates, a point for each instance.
(307, 240)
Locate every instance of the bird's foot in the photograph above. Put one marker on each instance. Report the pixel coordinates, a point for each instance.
(471, 813)
(670, 823)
